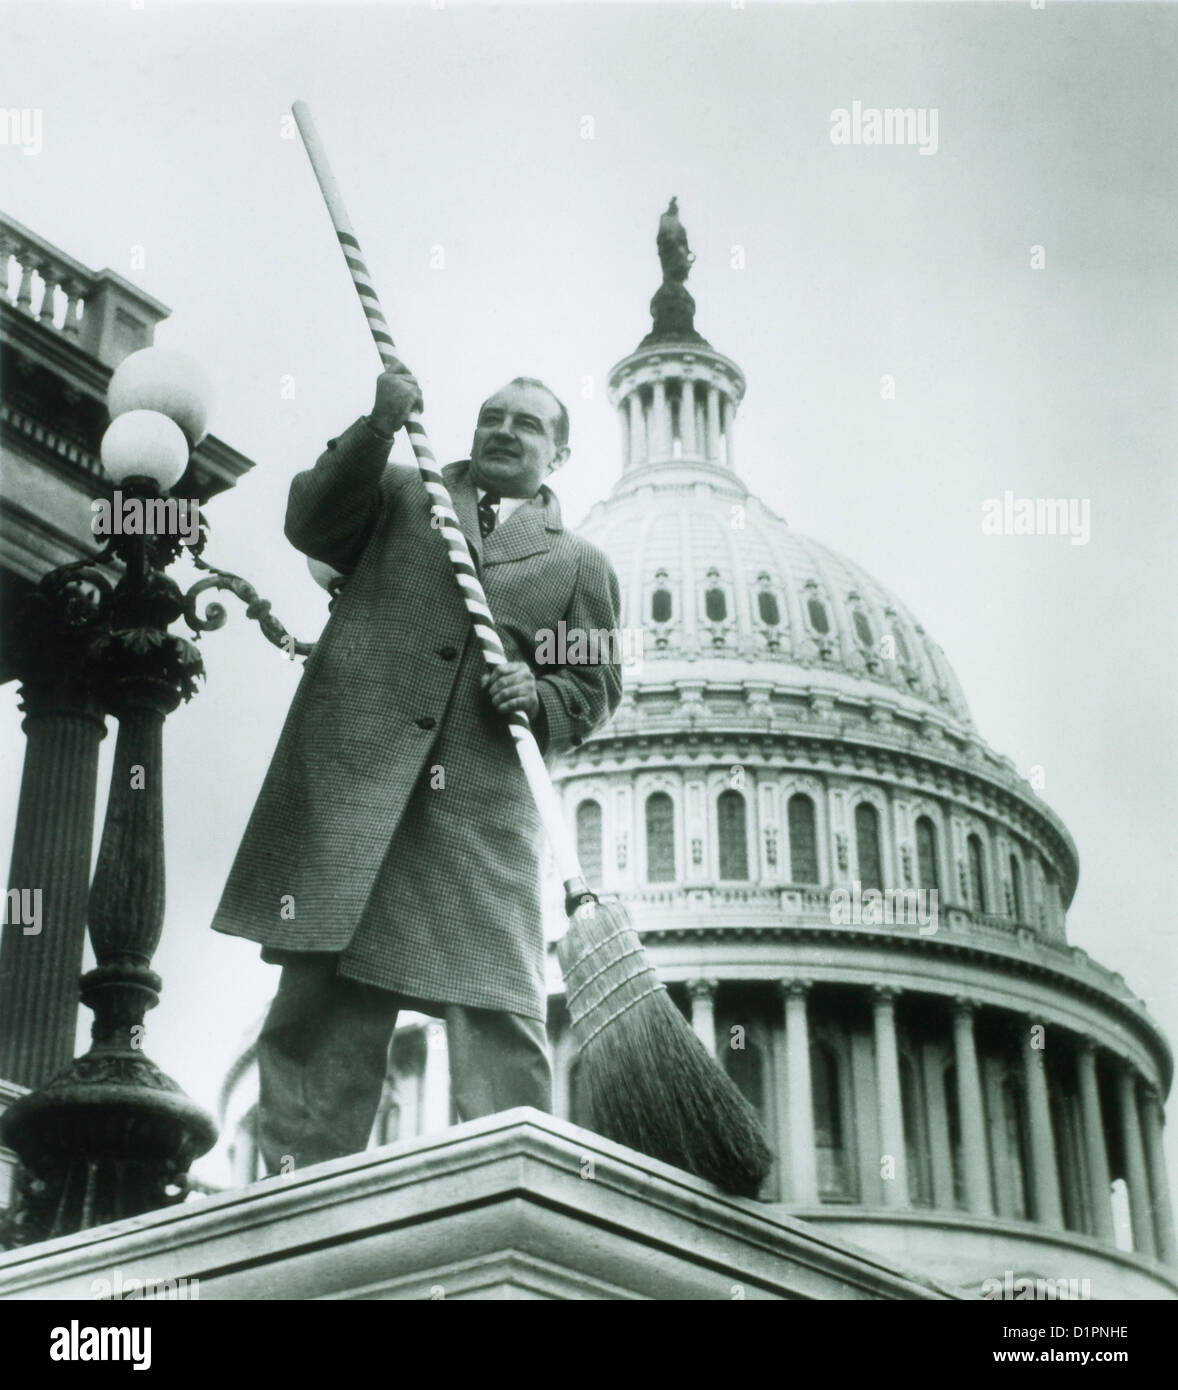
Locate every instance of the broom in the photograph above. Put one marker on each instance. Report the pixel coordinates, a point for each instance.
(650, 1083)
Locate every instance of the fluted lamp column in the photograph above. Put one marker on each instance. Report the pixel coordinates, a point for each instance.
(111, 1136)
(41, 952)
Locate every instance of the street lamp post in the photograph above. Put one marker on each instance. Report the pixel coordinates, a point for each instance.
(111, 1135)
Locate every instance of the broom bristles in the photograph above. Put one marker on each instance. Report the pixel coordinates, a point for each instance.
(649, 1081)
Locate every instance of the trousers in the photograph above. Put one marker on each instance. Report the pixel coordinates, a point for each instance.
(323, 1056)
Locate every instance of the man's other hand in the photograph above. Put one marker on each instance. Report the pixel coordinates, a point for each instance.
(397, 397)
(512, 686)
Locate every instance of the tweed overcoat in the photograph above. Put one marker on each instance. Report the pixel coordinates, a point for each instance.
(395, 825)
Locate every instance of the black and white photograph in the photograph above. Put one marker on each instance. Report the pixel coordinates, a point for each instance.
(587, 662)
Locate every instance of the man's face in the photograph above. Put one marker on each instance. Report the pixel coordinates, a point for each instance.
(514, 444)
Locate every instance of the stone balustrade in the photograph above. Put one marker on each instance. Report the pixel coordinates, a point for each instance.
(101, 312)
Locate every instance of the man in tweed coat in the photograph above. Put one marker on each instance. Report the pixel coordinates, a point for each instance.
(392, 859)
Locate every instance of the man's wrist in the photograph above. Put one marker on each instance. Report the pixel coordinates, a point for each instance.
(380, 429)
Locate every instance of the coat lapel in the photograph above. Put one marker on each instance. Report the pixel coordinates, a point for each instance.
(525, 532)
(461, 488)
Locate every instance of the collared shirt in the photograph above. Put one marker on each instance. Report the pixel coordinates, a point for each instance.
(504, 507)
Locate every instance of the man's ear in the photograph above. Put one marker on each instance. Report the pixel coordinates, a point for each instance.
(559, 459)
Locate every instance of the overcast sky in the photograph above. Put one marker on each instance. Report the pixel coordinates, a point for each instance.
(463, 128)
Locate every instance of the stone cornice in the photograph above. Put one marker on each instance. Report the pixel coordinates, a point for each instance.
(1038, 967)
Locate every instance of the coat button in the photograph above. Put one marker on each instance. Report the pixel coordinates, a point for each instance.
(331, 443)
(426, 722)
(447, 653)
(574, 708)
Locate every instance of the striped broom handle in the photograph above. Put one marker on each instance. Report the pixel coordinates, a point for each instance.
(547, 802)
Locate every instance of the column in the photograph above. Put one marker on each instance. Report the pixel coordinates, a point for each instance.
(49, 299)
(1044, 1171)
(637, 428)
(562, 1057)
(660, 421)
(27, 266)
(687, 418)
(971, 1112)
(702, 994)
(1140, 1213)
(74, 293)
(1095, 1152)
(624, 424)
(435, 1100)
(891, 1109)
(713, 422)
(803, 1159)
(729, 421)
(51, 850)
(1163, 1214)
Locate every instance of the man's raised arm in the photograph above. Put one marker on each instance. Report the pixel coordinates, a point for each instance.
(332, 508)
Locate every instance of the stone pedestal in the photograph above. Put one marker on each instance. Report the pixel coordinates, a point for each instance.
(515, 1206)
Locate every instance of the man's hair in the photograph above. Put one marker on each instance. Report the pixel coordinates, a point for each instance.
(561, 432)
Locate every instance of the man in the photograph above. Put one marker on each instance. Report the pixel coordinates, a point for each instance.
(392, 859)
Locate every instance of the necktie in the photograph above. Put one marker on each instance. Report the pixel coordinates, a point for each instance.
(487, 517)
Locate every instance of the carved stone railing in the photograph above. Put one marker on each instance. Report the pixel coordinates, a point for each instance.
(96, 309)
(47, 284)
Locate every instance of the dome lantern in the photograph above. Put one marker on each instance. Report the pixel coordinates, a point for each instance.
(675, 395)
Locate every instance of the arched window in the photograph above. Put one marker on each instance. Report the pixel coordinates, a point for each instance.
(818, 619)
(589, 841)
(867, 845)
(1050, 897)
(1016, 888)
(862, 627)
(768, 609)
(715, 605)
(926, 853)
(826, 1087)
(660, 606)
(803, 840)
(977, 872)
(660, 838)
(733, 832)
